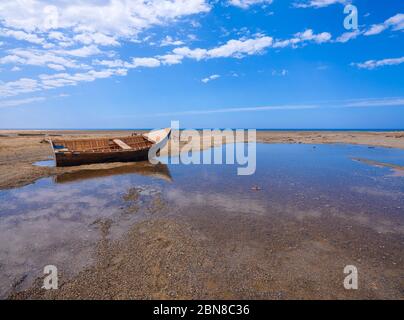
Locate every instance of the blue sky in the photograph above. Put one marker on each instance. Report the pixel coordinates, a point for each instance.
(230, 63)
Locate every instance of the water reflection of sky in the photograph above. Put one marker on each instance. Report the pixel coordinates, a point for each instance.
(45, 163)
(52, 223)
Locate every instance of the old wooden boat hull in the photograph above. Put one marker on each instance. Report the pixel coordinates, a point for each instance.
(105, 150)
(77, 159)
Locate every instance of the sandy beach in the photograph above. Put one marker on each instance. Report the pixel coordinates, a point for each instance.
(234, 250)
(267, 163)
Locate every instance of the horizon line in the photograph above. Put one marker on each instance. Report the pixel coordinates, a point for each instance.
(205, 128)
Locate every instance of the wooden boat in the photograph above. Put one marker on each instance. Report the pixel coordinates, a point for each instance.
(120, 149)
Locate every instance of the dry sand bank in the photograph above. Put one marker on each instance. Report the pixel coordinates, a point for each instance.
(20, 149)
(381, 139)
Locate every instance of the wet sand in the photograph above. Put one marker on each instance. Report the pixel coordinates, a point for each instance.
(190, 258)
(231, 250)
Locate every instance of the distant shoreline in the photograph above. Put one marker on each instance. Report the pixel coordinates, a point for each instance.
(148, 129)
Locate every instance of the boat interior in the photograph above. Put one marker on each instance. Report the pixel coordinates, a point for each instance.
(133, 143)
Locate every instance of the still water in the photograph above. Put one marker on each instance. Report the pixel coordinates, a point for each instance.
(59, 220)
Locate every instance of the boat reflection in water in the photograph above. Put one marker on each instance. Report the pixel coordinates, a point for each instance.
(144, 168)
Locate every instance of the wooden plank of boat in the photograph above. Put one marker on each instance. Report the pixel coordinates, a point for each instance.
(122, 144)
(157, 136)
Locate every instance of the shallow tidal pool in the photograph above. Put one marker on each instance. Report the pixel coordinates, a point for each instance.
(306, 213)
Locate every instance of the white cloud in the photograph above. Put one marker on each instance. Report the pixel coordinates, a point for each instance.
(345, 37)
(68, 31)
(56, 35)
(239, 48)
(170, 59)
(318, 3)
(117, 63)
(22, 35)
(373, 64)
(136, 63)
(18, 102)
(375, 29)
(62, 79)
(51, 81)
(37, 58)
(210, 78)
(73, 34)
(242, 109)
(281, 73)
(233, 48)
(244, 4)
(11, 59)
(60, 39)
(385, 102)
(67, 34)
(169, 41)
(118, 18)
(65, 79)
(396, 23)
(13, 88)
(56, 67)
(357, 103)
(197, 54)
(145, 62)
(96, 38)
(308, 35)
(59, 60)
(301, 37)
(82, 52)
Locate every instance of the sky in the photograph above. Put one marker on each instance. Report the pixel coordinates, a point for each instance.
(276, 64)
